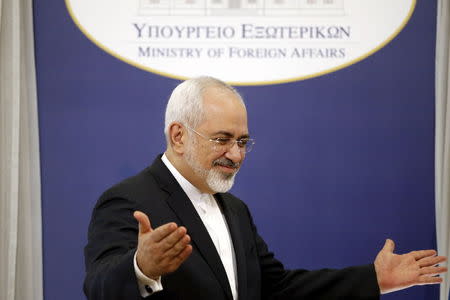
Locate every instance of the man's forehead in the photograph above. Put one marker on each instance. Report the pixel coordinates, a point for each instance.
(223, 103)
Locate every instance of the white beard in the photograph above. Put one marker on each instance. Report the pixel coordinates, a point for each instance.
(216, 180)
(220, 182)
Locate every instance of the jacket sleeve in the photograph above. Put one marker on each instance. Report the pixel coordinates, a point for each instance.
(112, 241)
(357, 282)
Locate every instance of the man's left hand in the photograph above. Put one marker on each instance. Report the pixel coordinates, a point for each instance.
(396, 272)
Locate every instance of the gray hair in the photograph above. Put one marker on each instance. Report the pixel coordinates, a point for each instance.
(185, 104)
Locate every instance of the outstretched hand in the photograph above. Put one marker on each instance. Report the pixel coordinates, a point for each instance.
(396, 272)
(161, 250)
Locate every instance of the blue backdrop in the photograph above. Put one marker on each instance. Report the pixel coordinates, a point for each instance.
(342, 161)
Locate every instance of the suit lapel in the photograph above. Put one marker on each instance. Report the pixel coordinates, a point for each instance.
(236, 236)
(185, 211)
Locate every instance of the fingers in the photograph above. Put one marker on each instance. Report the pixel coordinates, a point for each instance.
(163, 231)
(144, 222)
(422, 253)
(389, 246)
(176, 255)
(179, 247)
(429, 280)
(184, 254)
(161, 250)
(175, 262)
(170, 238)
(431, 261)
(432, 271)
(159, 233)
(175, 249)
(175, 241)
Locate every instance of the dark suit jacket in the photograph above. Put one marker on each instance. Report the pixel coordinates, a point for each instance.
(113, 239)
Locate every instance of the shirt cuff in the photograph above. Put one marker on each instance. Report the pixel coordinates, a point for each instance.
(147, 286)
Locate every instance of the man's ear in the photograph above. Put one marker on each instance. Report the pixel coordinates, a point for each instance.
(177, 137)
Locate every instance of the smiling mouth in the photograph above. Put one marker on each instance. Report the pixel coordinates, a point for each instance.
(227, 168)
(226, 165)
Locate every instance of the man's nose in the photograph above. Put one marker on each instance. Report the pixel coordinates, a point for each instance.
(234, 153)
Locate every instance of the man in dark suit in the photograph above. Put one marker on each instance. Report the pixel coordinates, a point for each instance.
(202, 242)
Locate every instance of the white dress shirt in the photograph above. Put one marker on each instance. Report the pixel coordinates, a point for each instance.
(214, 221)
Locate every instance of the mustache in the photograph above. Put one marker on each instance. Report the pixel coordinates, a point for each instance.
(225, 162)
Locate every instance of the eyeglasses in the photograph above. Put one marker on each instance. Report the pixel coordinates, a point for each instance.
(222, 144)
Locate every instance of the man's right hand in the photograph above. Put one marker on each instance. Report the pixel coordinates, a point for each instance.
(162, 250)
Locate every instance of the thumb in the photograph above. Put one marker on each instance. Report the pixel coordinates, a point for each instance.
(144, 222)
(389, 246)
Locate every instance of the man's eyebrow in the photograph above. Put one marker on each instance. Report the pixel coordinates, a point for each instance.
(225, 133)
(244, 136)
(229, 134)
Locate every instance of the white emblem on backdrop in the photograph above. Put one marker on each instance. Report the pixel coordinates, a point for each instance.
(241, 41)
